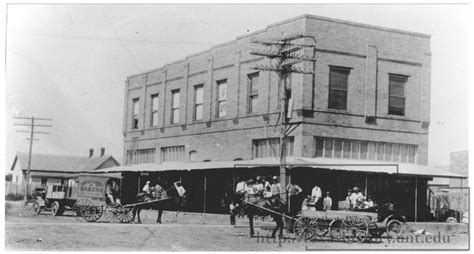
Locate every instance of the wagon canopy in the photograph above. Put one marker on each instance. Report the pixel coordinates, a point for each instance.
(293, 162)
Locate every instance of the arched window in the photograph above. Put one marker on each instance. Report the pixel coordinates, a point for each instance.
(192, 155)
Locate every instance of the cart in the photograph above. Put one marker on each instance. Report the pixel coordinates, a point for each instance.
(92, 203)
(359, 226)
(86, 199)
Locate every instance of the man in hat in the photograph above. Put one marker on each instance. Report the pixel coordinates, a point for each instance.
(112, 190)
(348, 199)
(147, 188)
(158, 191)
(181, 194)
(250, 188)
(259, 185)
(275, 188)
(356, 196)
(327, 202)
(316, 194)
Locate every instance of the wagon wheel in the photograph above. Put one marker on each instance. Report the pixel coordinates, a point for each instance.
(335, 229)
(93, 213)
(112, 213)
(355, 228)
(320, 227)
(37, 208)
(79, 209)
(303, 228)
(117, 213)
(126, 215)
(394, 228)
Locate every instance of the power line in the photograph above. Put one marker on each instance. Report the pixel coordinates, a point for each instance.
(283, 55)
(32, 122)
(121, 42)
(113, 39)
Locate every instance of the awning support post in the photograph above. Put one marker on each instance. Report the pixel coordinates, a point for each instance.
(366, 185)
(205, 183)
(139, 176)
(416, 198)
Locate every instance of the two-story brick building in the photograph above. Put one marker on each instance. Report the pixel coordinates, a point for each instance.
(368, 101)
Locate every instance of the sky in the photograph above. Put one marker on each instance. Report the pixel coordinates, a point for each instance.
(70, 62)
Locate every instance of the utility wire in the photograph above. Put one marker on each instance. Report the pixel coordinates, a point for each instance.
(121, 42)
(112, 39)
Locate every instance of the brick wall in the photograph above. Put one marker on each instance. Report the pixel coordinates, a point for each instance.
(371, 53)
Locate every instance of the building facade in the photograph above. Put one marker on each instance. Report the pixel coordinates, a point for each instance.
(369, 99)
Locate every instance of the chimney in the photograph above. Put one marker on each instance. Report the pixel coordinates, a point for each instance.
(91, 152)
(102, 152)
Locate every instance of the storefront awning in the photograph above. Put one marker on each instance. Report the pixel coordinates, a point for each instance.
(293, 162)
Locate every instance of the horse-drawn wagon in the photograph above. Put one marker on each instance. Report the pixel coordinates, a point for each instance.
(349, 225)
(91, 197)
(355, 225)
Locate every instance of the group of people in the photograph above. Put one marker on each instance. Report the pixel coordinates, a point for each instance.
(355, 200)
(158, 192)
(260, 186)
(310, 201)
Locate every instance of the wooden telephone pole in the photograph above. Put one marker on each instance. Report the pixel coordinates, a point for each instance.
(283, 54)
(32, 122)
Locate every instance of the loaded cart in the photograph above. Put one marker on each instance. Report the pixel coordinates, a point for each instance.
(355, 225)
(349, 225)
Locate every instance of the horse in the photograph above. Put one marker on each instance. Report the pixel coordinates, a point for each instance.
(170, 203)
(251, 208)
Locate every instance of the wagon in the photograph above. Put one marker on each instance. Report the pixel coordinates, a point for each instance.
(357, 226)
(91, 201)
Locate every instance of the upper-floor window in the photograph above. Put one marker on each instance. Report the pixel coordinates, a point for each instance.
(221, 97)
(338, 79)
(365, 150)
(138, 156)
(198, 101)
(270, 147)
(253, 83)
(172, 153)
(135, 112)
(154, 110)
(396, 94)
(175, 106)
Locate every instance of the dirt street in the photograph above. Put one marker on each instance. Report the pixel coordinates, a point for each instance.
(25, 231)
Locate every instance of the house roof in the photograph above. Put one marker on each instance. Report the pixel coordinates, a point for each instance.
(60, 163)
(294, 162)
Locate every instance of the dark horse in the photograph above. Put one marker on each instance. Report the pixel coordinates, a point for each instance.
(273, 207)
(169, 199)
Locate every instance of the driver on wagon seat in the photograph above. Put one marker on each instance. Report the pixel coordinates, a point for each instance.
(112, 190)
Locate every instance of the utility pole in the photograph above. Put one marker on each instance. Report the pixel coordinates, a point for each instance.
(283, 54)
(32, 122)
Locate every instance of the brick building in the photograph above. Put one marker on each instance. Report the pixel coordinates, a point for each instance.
(368, 99)
(210, 119)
